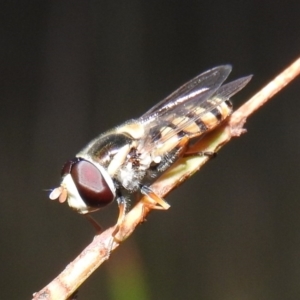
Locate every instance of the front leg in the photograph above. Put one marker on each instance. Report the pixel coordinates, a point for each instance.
(150, 200)
(123, 208)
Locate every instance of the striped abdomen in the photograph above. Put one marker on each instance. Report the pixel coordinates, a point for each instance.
(191, 125)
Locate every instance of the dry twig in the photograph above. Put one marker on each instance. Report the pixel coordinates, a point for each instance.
(97, 252)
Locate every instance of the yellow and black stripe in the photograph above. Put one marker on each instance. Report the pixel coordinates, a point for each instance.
(192, 125)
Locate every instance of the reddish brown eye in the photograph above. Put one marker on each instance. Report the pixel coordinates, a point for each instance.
(67, 167)
(91, 185)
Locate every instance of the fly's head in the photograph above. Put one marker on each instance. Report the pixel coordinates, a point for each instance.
(86, 186)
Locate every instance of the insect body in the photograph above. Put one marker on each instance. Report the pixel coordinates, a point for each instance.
(125, 160)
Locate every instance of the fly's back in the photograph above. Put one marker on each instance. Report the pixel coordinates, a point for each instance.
(117, 164)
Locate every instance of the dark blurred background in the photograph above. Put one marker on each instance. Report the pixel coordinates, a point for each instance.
(72, 69)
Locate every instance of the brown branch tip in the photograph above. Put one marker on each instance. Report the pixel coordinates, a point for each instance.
(66, 283)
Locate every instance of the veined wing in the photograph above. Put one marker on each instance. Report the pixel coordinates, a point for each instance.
(193, 92)
(229, 89)
(188, 104)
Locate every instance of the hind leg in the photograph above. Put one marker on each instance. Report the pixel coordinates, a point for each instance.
(210, 154)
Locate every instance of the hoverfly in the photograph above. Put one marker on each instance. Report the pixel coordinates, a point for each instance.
(123, 162)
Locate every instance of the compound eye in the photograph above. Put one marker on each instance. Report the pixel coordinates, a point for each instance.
(91, 185)
(67, 167)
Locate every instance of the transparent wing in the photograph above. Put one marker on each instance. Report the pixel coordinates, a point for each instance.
(204, 91)
(193, 92)
(222, 94)
(188, 97)
(229, 89)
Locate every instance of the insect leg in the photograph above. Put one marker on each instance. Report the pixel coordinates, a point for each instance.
(210, 154)
(122, 212)
(122, 203)
(153, 200)
(171, 156)
(94, 223)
